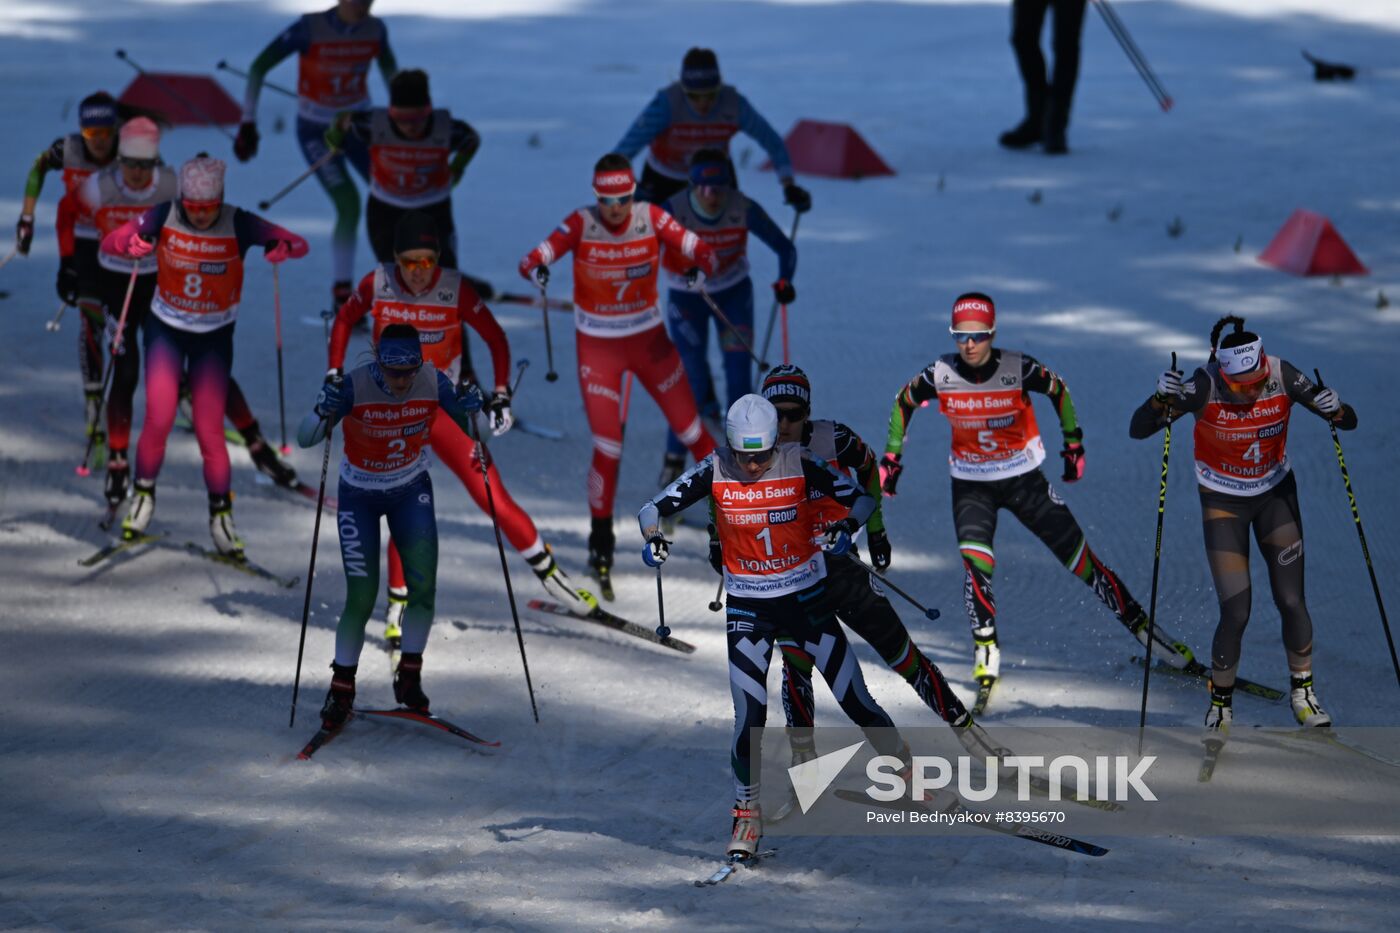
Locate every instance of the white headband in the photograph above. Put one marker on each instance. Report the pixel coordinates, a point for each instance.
(1237, 361)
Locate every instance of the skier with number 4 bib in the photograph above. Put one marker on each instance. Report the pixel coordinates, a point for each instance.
(1242, 399)
(995, 463)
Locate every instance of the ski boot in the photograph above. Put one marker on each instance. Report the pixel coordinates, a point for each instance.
(600, 555)
(221, 530)
(408, 682)
(557, 584)
(92, 405)
(974, 738)
(340, 699)
(143, 508)
(747, 830)
(265, 458)
(1306, 709)
(1165, 648)
(118, 476)
(1220, 714)
(1024, 135)
(393, 616)
(986, 655)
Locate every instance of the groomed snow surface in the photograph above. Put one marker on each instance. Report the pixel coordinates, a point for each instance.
(144, 752)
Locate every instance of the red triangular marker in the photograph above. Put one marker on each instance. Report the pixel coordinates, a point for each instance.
(1308, 244)
(831, 150)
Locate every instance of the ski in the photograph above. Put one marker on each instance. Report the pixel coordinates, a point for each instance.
(321, 737)
(984, 693)
(310, 493)
(1325, 736)
(733, 862)
(1003, 825)
(116, 547)
(1198, 671)
(617, 623)
(1213, 749)
(538, 430)
(241, 564)
(428, 719)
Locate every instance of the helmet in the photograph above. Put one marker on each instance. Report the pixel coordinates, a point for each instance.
(751, 425)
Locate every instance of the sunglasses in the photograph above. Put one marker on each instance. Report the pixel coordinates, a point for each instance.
(410, 114)
(614, 202)
(97, 132)
(138, 163)
(192, 206)
(972, 336)
(757, 459)
(791, 415)
(422, 264)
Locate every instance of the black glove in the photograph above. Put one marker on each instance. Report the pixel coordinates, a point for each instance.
(24, 233)
(67, 284)
(716, 552)
(879, 550)
(332, 402)
(498, 414)
(245, 145)
(797, 197)
(694, 278)
(541, 275)
(890, 468)
(784, 292)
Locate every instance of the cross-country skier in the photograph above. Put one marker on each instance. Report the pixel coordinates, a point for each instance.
(199, 242)
(697, 112)
(77, 156)
(716, 211)
(775, 578)
(415, 289)
(112, 196)
(335, 49)
(994, 459)
(388, 406)
(617, 252)
(1243, 399)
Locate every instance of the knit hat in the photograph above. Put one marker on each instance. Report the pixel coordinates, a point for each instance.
(787, 383)
(974, 311)
(751, 425)
(97, 110)
(416, 230)
(202, 179)
(700, 72)
(410, 89)
(140, 139)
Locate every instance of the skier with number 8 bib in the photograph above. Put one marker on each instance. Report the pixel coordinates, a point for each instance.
(995, 464)
(1242, 399)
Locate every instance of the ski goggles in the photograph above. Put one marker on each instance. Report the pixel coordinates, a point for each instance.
(1245, 382)
(192, 206)
(98, 132)
(138, 163)
(615, 201)
(421, 264)
(792, 414)
(756, 458)
(971, 336)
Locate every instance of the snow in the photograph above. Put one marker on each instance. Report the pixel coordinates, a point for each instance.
(146, 761)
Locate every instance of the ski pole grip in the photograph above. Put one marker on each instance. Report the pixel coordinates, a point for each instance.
(1318, 374)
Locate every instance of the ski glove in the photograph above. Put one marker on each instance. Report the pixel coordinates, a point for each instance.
(277, 251)
(1327, 402)
(138, 246)
(333, 400)
(245, 145)
(838, 536)
(67, 284)
(880, 551)
(716, 551)
(1169, 386)
(784, 292)
(694, 278)
(655, 551)
(890, 469)
(541, 275)
(498, 414)
(797, 198)
(24, 233)
(1074, 461)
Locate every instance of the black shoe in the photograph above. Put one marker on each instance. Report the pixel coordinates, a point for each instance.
(340, 700)
(1027, 133)
(408, 683)
(1055, 143)
(600, 554)
(118, 476)
(266, 460)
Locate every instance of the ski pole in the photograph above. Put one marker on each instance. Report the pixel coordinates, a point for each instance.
(1361, 534)
(787, 358)
(663, 632)
(238, 73)
(520, 366)
(1156, 566)
(484, 456)
(550, 375)
(277, 317)
(724, 319)
(715, 604)
(773, 311)
(312, 169)
(14, 251)
(174, 95)
(82, 469)
(311, 571)
(53, 325)
(931, 614)
(1120, 32)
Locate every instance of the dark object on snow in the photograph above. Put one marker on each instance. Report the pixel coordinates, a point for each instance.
(1239, 243)
(1115, 213)
(1034, 197)
(1175, 228)
(1329, 71)
(1382, 301)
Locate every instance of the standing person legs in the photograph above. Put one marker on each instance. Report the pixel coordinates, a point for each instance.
(975, 505)
(1069, 24)
(601, 362)
(1027, 21)
(126, 370)
(357, 521)
(413, 523)
(1278, 529)
(210, 358)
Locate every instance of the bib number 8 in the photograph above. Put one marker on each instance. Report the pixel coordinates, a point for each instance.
(194, 285)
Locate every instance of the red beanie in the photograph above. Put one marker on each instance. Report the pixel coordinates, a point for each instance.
(974, 311)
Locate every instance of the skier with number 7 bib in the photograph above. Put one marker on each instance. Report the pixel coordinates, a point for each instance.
(995, 464)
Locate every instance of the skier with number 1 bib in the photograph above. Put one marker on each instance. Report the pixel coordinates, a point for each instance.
(995, 460)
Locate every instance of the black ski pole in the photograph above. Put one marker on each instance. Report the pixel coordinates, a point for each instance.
(550, 375)
(170, 92)
(931, 614)
(1361, 534)
(773, 311)
(663, 632)
(107, 376)
(53, 324)
(311, 169)
(281, 393)
(311, 571)
(239, 73)
(724, 320)
(715, 604)
(484, 458)
(1156, 566)
(1120, 32)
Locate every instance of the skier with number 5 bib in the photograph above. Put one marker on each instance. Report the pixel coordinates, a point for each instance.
(995, 463)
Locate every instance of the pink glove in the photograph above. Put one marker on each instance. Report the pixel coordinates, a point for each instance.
(279, 253)
(136, 247)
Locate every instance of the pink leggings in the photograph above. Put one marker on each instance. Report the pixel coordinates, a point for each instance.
(209, 357)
